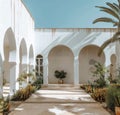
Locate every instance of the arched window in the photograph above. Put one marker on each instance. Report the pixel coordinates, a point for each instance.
(39, 65)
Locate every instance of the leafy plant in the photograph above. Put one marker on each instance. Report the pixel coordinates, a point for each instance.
(99, 73)
(117, 99)
(37, 83)
(23, 93)
(60, 74)
(99, 94)
(113, 96)
(4, 105)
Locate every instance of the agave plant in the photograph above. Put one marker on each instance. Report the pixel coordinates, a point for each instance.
(112, 9)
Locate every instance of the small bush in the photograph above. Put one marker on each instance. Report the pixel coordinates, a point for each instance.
(111, 92)
(99, 74)
(38, 83)
(23, 93)
(99, 94)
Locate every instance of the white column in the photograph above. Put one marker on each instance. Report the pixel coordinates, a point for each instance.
(76, 70)
(45, 71)
(1, 81)
(16, 76)
(12, 79)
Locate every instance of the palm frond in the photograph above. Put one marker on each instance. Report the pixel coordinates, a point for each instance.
(116, 5)
(113, 6)
(105, 19)
(110, 11)
(106, 43)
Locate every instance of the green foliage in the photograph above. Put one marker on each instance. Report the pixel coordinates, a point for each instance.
(117, 98)
(60, 74)
(113, 10)
(4, 105)
(99, 94)
(37, 83)
(23, 93)
(99, 73)
(113, 93)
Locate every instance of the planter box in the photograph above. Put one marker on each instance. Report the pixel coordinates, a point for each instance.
(117, 110)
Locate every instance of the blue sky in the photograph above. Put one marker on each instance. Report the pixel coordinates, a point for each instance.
(66, 13)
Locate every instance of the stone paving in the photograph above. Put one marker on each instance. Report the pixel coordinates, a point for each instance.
(60, 100)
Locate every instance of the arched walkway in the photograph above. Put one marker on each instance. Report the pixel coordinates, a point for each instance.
(87, 57)
(31, 59)
(61, 58)
(10, 58)
(23, 57)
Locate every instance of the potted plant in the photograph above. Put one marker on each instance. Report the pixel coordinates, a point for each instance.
(60, 75)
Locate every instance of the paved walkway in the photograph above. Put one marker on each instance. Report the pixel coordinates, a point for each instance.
(60, 100)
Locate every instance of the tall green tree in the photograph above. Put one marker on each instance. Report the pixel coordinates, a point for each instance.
(113, 9)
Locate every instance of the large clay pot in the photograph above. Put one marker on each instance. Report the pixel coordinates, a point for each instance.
(60, 81)
(117, 110)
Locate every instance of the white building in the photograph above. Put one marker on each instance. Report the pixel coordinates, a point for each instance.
(71, 50)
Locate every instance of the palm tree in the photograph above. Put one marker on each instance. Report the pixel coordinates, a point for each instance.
(113, 9)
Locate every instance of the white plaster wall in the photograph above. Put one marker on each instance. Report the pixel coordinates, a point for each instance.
(61, 58)
(86, 66)
(16, 17)
(75, 39)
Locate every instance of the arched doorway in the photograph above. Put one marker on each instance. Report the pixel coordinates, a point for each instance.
(39, 65)
(9, 72)
(61, 58)
(31, 59)
(87, 57)
(23, 57)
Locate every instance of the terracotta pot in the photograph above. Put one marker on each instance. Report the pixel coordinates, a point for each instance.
(60, 81)
(117, 110)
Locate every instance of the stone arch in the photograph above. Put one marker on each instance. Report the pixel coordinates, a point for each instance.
(1, 75)
(9, 58)
(61, 58)
(87, 57)
(113, 59)
(23, 56)
(39, 65)
(31, 58)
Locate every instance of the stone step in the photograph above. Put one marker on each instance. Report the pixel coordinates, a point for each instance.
(6, 90)
(55, 86)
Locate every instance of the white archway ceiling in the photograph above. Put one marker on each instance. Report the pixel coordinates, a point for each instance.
(9, 46)
(23, 52)
(76, 40)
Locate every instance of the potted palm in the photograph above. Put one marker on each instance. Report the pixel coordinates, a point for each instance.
(60, 75)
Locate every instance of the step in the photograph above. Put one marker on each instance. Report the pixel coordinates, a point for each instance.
(60, 85)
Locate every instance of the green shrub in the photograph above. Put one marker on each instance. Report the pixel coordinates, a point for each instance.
(99, 94)
(4, 105)
(38, 83)
(99, 73)
(111, 93)
(23, 93)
